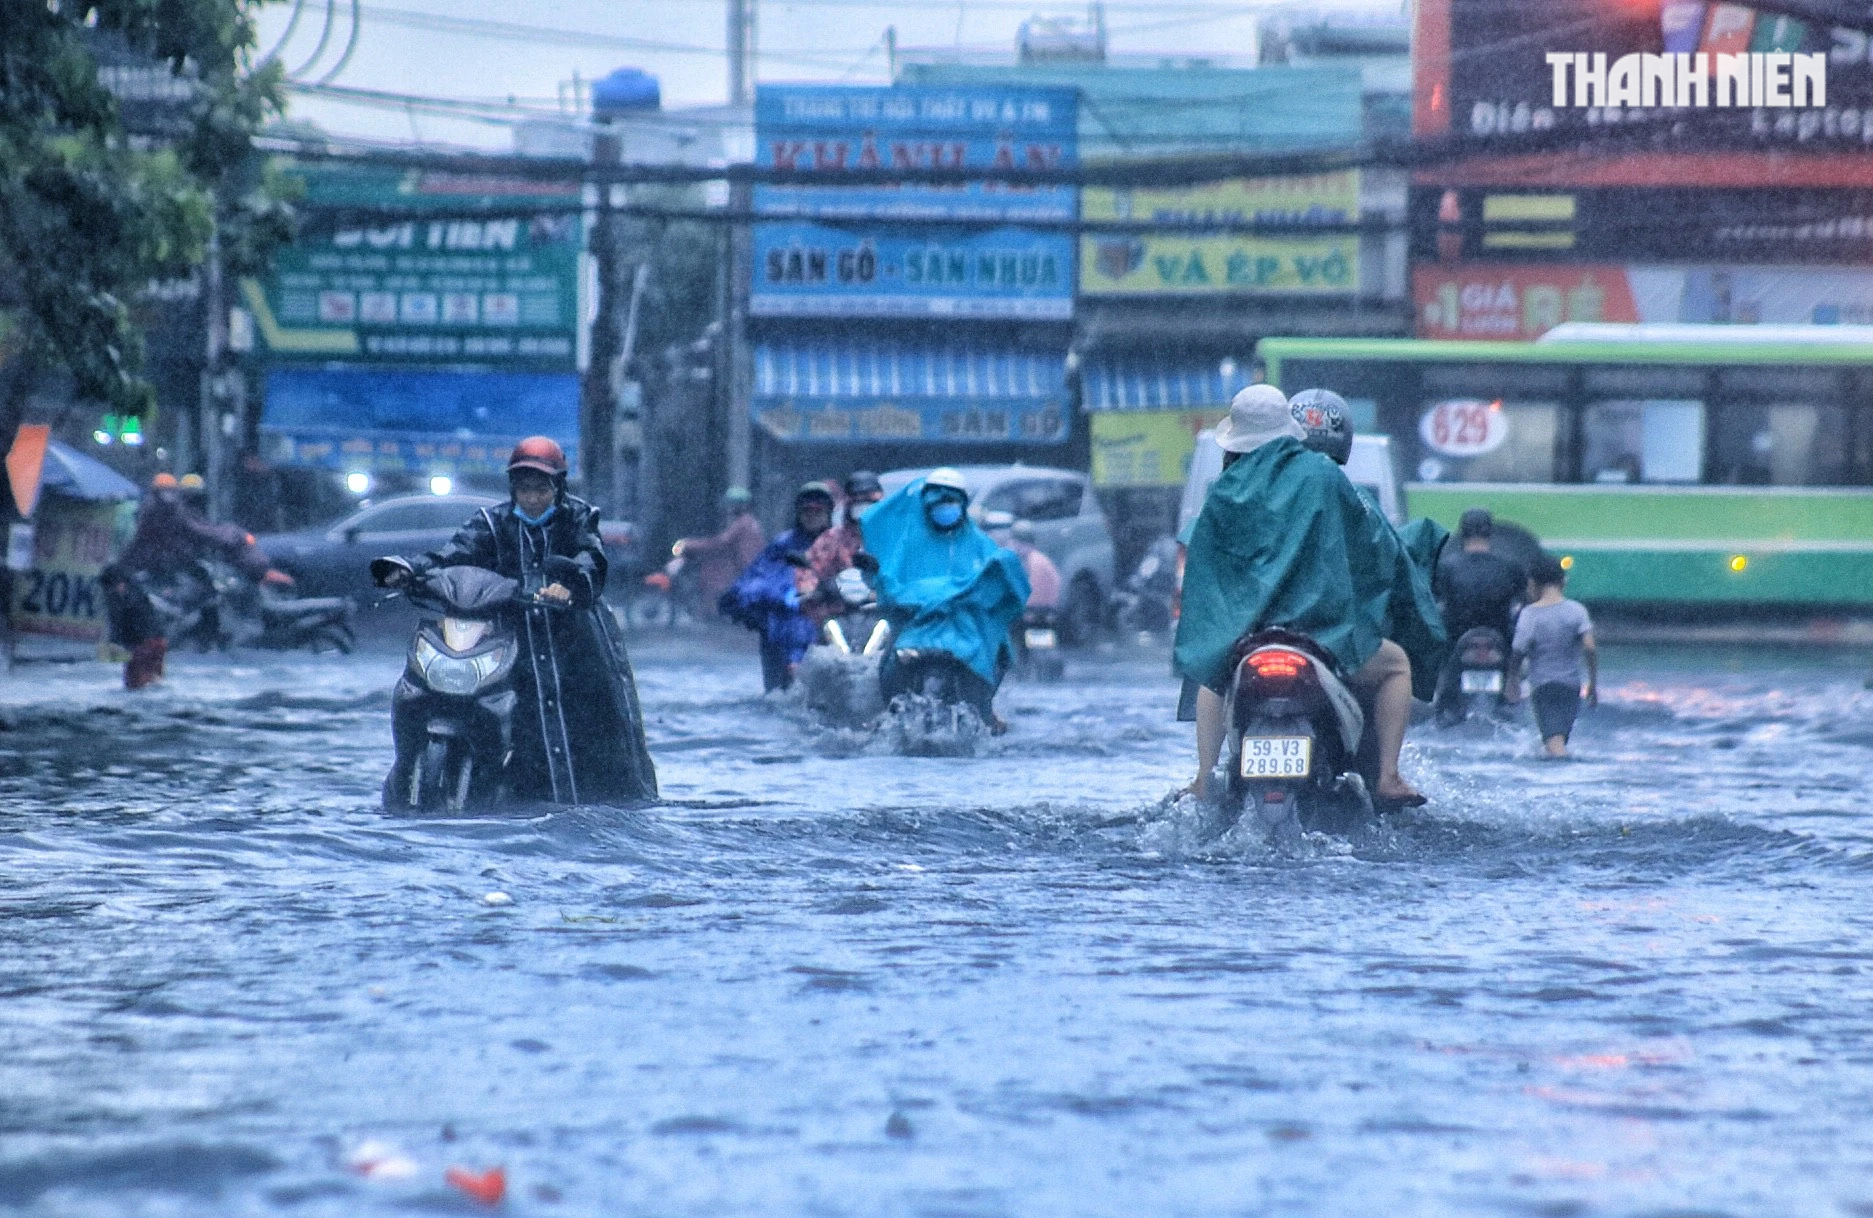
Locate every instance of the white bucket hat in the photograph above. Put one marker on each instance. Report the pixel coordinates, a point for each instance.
(1258, 414)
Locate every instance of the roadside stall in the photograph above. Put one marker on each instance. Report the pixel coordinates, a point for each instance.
(74, 514)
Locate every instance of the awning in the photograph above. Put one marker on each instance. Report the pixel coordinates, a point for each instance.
(414, 420)
(833, 392)
(1142, 383)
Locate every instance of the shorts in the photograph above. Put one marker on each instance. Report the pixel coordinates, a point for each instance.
(1556, 704)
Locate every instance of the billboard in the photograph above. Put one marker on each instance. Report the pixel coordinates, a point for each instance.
(831, 128)
(414, 420)
(970, 420)
(804, 269)
(1689, 78)
(1604, 224)
(1519, 302)
(425, 268)
(1140, 448)
(1199, 263)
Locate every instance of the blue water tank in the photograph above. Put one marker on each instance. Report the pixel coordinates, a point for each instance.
(624, 91)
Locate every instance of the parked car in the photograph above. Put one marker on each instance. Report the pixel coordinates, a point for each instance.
(1069, 528)
(334, 559)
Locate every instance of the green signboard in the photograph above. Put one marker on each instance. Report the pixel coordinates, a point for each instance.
(424, 268)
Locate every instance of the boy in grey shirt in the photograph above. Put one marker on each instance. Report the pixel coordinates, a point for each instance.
(1554, 636)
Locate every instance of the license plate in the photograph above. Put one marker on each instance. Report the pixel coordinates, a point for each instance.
(1277, 756)
(1042, 638)
(1483, 681)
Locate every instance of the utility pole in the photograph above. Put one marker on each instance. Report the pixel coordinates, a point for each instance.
(741, 52)
(598, 413)
(631, 422)
(735, 249)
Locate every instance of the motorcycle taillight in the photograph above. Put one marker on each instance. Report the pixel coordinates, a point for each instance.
(1276, 663)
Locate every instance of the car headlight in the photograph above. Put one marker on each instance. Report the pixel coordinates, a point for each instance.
(459, 675)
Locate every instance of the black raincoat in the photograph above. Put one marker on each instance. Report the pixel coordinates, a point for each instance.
(595, 721)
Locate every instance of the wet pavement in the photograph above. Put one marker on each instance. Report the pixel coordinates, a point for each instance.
(825, 980)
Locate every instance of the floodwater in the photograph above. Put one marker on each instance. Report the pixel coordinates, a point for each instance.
(1639, 982)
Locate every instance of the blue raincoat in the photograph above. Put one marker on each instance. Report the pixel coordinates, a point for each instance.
(765, 598)
(957, 592)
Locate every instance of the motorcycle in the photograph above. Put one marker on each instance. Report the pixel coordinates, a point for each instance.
(666, 599)
(1037, 645)
(839, 676)
(1473, 683)
(1298, 750)
(1145, 604)
(452, 713)
(931, 708)
(212, 605)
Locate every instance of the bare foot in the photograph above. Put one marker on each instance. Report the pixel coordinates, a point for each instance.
(1398, 793)
(998, 726)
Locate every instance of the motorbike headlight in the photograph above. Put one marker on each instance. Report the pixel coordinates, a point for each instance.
(460, 675)
(448, 675)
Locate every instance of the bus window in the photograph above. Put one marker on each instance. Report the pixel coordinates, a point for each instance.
(1779, 444)
(1520, 443)
(1652, 440)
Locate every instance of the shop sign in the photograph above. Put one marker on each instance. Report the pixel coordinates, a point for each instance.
(832, 129)
(1521, 302)
(1166, 265)
(400, 268)
(1146, 448)
(1516, 302)
(1203, 263)
(815, 270)
(953, 421)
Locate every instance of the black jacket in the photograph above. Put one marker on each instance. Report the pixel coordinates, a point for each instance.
(602, 725)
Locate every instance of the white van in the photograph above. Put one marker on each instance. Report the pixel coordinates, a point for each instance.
(1369, 469)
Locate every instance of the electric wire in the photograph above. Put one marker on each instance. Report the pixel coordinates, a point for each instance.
(286, 35)
(351, 45)
(325, 38)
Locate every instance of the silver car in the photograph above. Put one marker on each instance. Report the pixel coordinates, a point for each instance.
(1069, 528)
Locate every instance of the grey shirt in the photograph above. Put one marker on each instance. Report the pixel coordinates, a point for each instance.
(1549, 636)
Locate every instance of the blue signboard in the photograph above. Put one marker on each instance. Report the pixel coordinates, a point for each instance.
(414, 420)
(830, 128)
(953, 421)
(816, 270)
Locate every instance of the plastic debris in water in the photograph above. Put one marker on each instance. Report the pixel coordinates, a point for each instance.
(498, 898)
(380, 1161)
(488, 1187)
(898, 1126)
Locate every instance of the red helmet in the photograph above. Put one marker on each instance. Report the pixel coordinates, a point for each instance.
(539, 453)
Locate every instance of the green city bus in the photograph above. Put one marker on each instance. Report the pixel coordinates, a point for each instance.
(1669, 465)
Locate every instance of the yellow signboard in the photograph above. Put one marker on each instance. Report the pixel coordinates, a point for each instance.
(1133, 448)
(1121, 264)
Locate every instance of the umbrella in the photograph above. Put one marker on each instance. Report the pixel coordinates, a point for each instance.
(69, 472)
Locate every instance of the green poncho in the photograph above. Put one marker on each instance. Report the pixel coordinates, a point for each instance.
(1285, 540)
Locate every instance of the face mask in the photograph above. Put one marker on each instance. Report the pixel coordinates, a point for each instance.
(946, 514)
(535, 521)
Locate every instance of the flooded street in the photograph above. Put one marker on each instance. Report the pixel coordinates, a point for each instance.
(835, 983)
